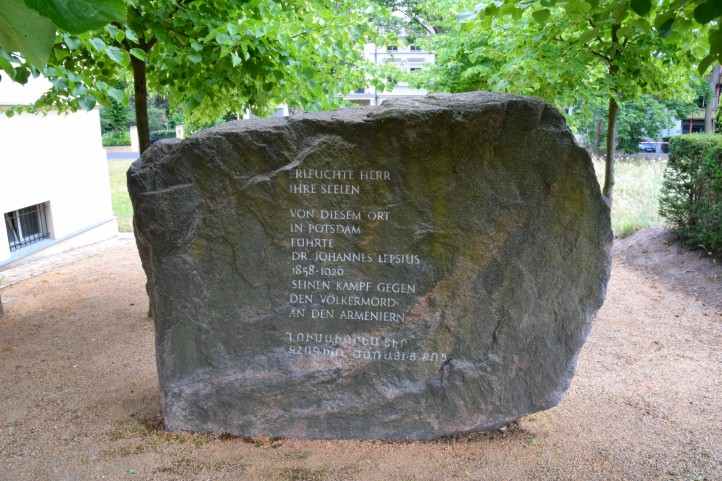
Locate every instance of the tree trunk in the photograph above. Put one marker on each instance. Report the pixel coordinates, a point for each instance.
(611, 147)
(612, 112)
(140, 88)
(711, 102)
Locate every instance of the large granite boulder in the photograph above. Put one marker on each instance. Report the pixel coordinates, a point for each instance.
(427, 267)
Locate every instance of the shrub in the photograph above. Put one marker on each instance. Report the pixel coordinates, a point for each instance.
(116, 137)
(115, 117)
(692, 190)
(162, 134)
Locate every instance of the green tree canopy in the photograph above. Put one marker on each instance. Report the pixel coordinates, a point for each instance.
(29, 26)
(572, 53)
(665, 16)
(209, 57)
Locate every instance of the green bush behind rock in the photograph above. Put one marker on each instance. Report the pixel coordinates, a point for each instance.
(116, 137)
(691, 197)
(162, 134)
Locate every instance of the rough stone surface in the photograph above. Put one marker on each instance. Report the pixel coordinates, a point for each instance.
(457, 301)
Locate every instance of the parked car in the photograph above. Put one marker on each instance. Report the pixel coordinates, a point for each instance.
(652, 146)
(648, 146)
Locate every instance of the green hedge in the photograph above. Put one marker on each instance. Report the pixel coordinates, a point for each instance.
(691, 197)
(116, 137)
(162, 134)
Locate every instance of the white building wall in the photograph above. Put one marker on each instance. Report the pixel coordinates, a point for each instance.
(403, 58)
(4, 245)
(54, 158)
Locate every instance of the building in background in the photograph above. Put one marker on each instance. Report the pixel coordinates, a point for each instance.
(408, 59)
(704, 119)
(54, 183)
(693, 124)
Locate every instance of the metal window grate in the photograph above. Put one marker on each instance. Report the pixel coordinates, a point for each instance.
(26, 226)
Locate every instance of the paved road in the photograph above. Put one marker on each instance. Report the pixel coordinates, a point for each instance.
(116, 155)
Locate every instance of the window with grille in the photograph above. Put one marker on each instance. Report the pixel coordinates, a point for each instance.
(26, 226)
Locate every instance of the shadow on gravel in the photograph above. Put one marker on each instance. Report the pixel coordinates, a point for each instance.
(658, 253)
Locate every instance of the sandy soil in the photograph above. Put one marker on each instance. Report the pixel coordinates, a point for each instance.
(79, 397)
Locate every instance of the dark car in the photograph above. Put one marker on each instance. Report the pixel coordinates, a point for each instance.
(648, 146)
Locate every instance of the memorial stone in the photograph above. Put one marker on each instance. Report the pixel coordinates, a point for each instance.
(423, 268)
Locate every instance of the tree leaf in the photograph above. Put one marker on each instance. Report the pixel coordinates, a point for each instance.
(25, 31)
(641, 7)
(115, 32)
(587, 35)
(5, 62)
(116, 94)
(71, 42)
(77, 16)
(117, 55)
(130, 35)
(664, 23)
(20, 75)
(86, 102)
(715, 41)
(708, 11)
(60, 83)
(542, 15)
(98, 44)
(705, 63)
(138, 53)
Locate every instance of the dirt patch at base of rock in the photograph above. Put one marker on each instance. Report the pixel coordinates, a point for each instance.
(658, 252)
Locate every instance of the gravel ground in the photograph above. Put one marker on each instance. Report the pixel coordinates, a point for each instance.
(79, 398)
